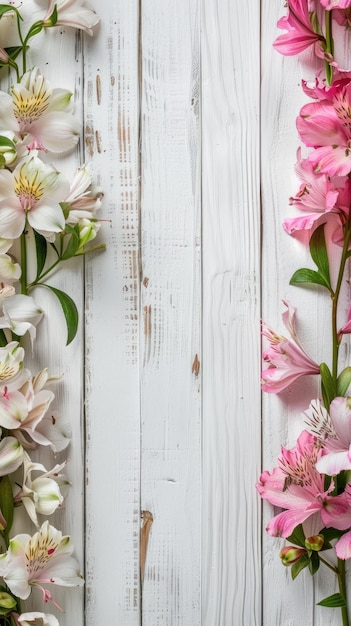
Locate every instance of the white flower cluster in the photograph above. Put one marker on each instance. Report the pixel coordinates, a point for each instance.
(42, 211)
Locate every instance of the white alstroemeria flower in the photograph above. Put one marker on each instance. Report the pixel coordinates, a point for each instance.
(39, 115)
(12, 373)
(31, 425)
(20, 314)
(37, 619)
(53, 431)
(9, 271)
(22, 410)
(83, 198)
(31, 192)
(42, 494)
(45, 558)
(11, 455)
(72, 13)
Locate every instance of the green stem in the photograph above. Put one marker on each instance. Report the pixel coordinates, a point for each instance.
(24, 287)
(343, 591)
(23, 47)
(335, 299)
(329, 48)
(38, 280)
(333, 569)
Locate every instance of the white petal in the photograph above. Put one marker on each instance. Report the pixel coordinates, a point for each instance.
(23, 308)
(59, 133)
(47, 218)
(12, 221)
(37, 619)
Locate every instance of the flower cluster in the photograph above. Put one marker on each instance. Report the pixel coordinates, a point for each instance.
(45, 212)
(311, 484)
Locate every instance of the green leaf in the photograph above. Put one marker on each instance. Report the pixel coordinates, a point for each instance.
(297, 537)
(53, 16)
(329, 534)
(35, 29)
(313, 565)
(328, 385)
(297, 567)
(334, 601)
(306, 276)
(6, 504)
(319, 254)
(69, 310)
(14, 51)
(41, 247)
(73, 244)
(343, 382)
(5, 8)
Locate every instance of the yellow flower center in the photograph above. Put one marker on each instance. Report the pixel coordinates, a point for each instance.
(8, 371)
(28, 191)
(27, 109)
(39, 552)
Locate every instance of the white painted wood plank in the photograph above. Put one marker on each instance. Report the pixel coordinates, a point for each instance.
(170, 345)
(231, 309)
(286, 602)
(112, 322)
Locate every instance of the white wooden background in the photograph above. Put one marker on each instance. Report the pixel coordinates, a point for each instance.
(189, 122)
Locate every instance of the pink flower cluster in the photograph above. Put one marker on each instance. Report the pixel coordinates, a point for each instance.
(311, 483)
(306, 28)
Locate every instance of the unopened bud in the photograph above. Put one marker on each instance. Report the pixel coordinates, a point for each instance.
(314, 543)
(291, 554)
(8, 152)
(87, 231)
(7, 601)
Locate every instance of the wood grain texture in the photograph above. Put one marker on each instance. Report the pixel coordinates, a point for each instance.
(188, 115)
(170, 299)
(231, 309)
(112, 322)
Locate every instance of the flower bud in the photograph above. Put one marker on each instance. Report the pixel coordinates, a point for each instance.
(7, 601)
(87, 231)
(315, 542)
(291, 554)
(8, 152)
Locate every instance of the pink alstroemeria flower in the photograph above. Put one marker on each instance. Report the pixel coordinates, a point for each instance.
(346, 329)
(316, 197)
(333, 430)
(296, 486)
(286, 358)
(326, 126)
(300, 33)
(335, 4)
